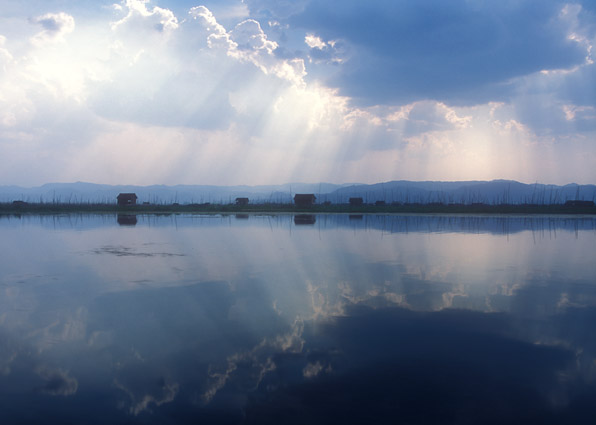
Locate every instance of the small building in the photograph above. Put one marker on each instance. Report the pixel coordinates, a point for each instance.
(356, 201)
(380, 203)
(241, 201)
(125, 199)
(19, 203)
(304, 199)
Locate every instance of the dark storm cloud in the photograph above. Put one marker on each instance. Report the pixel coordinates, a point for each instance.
(458, 51)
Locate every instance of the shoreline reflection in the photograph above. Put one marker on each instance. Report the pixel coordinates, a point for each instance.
(426, 223)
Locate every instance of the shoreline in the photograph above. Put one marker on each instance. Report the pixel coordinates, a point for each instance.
(508, 209)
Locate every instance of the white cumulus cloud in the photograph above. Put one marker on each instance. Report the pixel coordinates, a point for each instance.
(141, 18)
(314, 42)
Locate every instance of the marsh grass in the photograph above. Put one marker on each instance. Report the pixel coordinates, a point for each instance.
(434, 208)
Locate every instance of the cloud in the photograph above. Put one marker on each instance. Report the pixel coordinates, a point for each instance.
(329, 52)
(172, 82)
(314, 42)
(187, 78)
(558, 104)
(140, 18)
(57, 382)
(8, 353)
(275, 8)
(456, 52)
(252, 45)
(255, 363)
(438, 367)
(217, 36)
(163, 392)
(312, 370)
(425, 116)
(55, 27)
(306, 90)
(5, 55)
(249, 36)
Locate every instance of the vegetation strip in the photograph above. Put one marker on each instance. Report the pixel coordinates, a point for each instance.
(57, 208)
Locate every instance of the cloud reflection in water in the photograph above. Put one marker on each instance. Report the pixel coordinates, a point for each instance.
(421, 318)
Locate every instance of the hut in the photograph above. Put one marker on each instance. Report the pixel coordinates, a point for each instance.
(241, 201)
(127, 199)
(356, 201)
(304, 199)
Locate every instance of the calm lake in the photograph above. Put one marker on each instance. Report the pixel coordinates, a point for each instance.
(263, 319)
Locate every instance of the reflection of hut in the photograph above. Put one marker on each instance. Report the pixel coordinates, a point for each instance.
(127, 219)
(302, 219)
(304, 199)
(241, 201)
(355, 217)
(127, 199)
(356, 201)
(241, 216)
(576, 203)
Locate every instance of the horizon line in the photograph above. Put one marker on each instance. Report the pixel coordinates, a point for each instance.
(293, 183)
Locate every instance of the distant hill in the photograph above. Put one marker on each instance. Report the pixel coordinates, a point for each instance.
(403, 191)
(466, 192)
(81, 192)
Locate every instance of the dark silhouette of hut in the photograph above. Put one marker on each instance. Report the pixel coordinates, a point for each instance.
(380, 203)
(19, 203)
(304, 199)
(127, 199)
(356, 201)
(241, 201)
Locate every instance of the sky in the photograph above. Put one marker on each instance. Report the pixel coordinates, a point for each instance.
(230, 92)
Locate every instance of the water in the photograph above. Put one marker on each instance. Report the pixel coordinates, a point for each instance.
(297, 319)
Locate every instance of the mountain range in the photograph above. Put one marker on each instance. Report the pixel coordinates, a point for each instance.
(403, 191)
